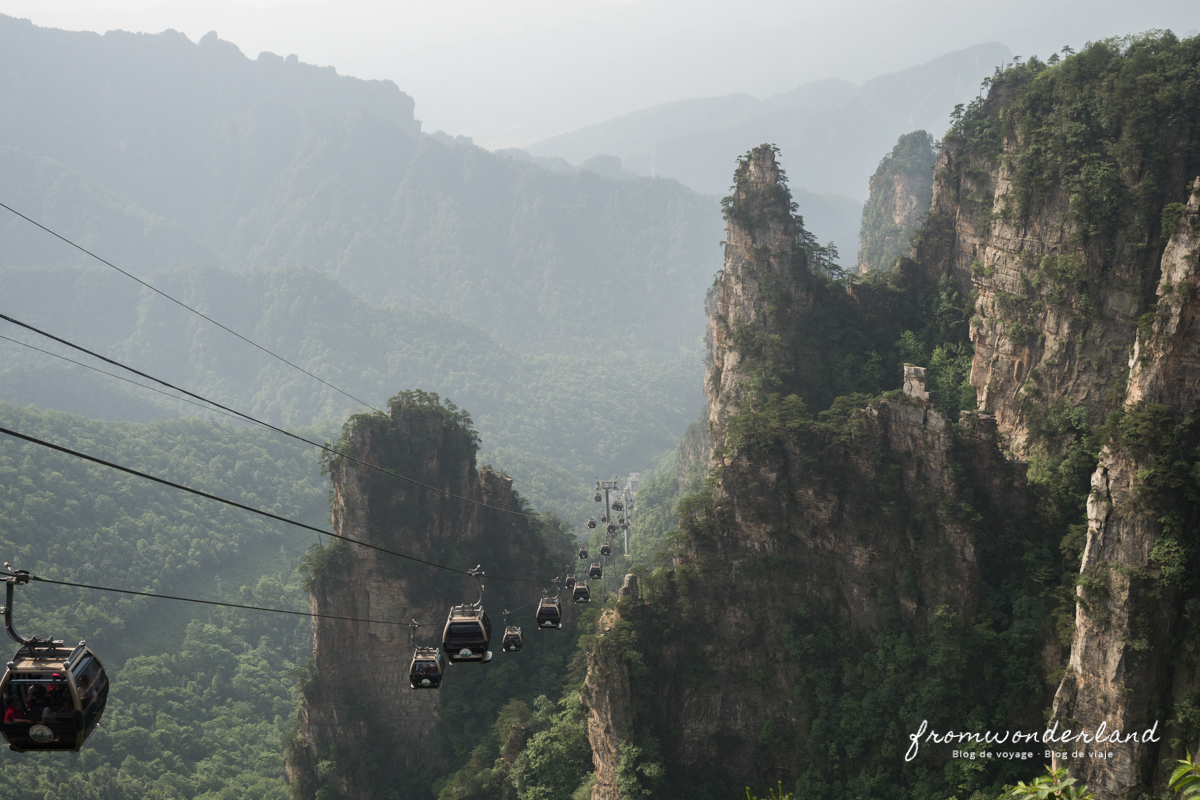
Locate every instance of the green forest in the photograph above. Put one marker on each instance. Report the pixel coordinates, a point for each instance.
(556, 318)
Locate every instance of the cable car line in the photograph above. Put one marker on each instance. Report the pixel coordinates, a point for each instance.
(212, 602)
(189, 308)
(118, 377)
(257, 421)
(244, 507)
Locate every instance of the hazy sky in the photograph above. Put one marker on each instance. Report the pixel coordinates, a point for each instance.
(510, 72)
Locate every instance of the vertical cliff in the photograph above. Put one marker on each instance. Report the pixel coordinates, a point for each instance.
(363, 733)
(822, 545)
(1134, 663)
(865, 557)
(762, 289)
(1057, 206)
(900, 192)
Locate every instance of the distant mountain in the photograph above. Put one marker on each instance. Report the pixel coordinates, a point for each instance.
(608, 412)
(832, 133)
(161, 152)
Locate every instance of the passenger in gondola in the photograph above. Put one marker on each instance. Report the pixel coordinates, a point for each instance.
(37, 701)
(87, 692)
(14, 715)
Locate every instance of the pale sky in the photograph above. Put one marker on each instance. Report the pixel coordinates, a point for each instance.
(511, 72)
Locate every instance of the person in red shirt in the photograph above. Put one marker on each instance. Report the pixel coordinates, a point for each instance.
(13, 713)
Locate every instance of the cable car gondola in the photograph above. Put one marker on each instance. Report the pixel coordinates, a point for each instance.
(596, 572)
(581, 593)
(569, 582)
(467, 635)
(512, 641)
(427, 668)
(549, 613)
(53, 695)
(468, 630)
(591, 522)
(606, 549)
(582, 553)
(598, 498)
(618, 505)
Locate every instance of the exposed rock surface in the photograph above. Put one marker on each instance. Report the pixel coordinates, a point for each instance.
(814, 525)
(607, 695)
(361, 725)
(1046, 209)
(762, 284)
(1124, 660)
(900, 193)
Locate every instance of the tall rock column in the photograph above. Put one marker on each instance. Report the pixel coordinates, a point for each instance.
(362, 729)
(1122, 661)
(815, 543)
(761, 289)
(899, 194)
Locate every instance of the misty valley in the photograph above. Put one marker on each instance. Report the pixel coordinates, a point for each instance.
(838, 444)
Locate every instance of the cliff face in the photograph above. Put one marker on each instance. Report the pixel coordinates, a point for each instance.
(362, 730)
(900, 192)
(762, 287)
(1134, 649)
(849, 575)
(1054, 315)
(1055, 218)
(868, 521)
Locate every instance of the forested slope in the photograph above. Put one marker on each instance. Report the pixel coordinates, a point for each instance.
(201, 697)
(272, 163)
(539, 415)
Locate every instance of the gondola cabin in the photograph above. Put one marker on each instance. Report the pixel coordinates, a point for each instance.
(427, 668)
(467, 635)
(549, 613)
(569, 582)
(596, 572)
(512, 641)
(606, 549)
(53, 696)
(581, 593)
(582, 553)
(598, 497)
(591, 522)
(618, 506)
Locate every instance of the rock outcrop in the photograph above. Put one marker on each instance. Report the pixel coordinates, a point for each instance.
(879, 565)
(871, 521)
(1127, 660)
(900, 192)
(362, 730)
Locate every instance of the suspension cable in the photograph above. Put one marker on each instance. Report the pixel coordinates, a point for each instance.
(251, 509)
(257, 421)
(189, 308)
(212, 602)
(118, 377)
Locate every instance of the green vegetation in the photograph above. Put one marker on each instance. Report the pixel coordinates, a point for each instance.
(909, 167)
(551, 421)
(288, 165)
(1167, 483)
(1185, 780)
(1094, 126)
(202, 698)
(1055, 784)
